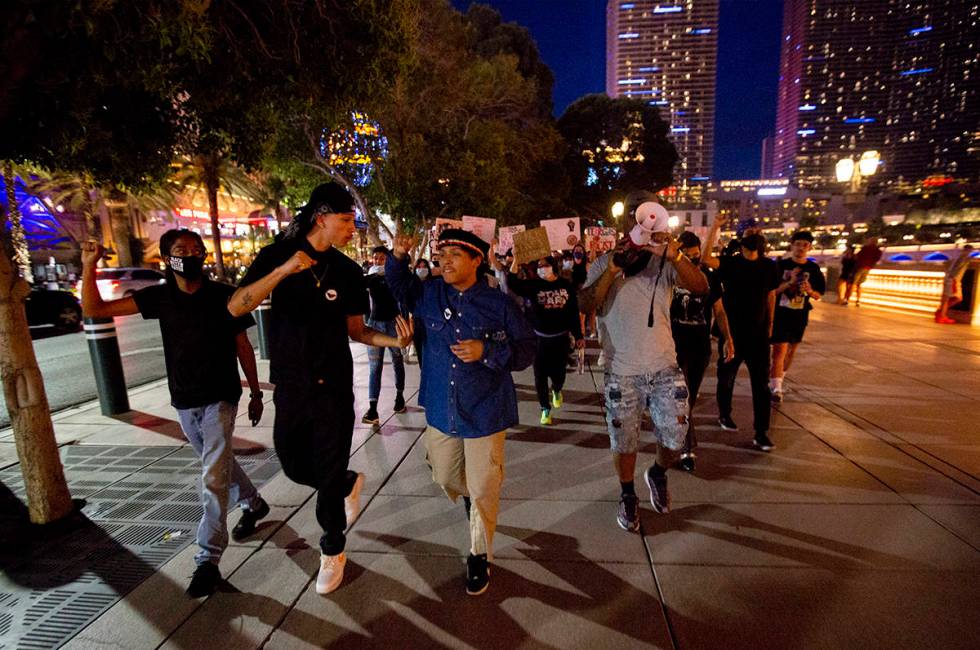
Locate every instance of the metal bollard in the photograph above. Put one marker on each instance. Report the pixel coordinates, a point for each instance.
(263, 318)
(103, 347)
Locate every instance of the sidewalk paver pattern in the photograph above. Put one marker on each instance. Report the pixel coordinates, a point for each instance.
(862, 527)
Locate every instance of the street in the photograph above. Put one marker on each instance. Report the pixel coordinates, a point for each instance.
(67, 368)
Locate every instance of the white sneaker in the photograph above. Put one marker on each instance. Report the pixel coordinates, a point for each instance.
(331, 573)
(352, 502)
(601, 361)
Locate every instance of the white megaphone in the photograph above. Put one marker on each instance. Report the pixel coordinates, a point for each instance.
(651, 217)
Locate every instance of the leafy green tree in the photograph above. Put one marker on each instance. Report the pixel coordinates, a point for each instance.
(467, 129)
(615, 146)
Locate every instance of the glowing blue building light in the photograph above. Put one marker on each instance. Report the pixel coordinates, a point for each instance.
(649, 69)
(659, 102)
(629, 35)
(626, 5)
(859, 120)
(680, 129)
(631, 82)
(909, 73)
(702, 30)
(806, 132)
(700, 178)
(667, 10)
(920, 30)
(808, 107)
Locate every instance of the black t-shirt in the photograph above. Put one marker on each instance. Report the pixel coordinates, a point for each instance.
(198, 341)
(746, 285)
(554, 305)
(308, 332)
(691, 313)
(792, 298)
(384, 307)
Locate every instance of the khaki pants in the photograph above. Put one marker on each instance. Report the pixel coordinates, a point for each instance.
(474, 468)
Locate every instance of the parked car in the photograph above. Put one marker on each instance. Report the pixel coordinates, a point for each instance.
(58, 308)
(125, 281)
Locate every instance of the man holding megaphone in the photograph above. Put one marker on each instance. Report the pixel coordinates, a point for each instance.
(631, 289)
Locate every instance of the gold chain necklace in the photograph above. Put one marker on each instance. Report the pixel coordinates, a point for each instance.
(318, 279)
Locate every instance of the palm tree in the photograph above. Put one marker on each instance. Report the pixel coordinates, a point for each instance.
(18, 241)
(214, 173)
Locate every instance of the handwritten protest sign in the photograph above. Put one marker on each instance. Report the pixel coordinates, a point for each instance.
(531, 245)
(563, 234)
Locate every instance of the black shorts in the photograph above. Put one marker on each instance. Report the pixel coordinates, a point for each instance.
(789, 324)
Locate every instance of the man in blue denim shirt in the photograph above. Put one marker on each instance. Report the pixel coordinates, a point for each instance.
(475, 337)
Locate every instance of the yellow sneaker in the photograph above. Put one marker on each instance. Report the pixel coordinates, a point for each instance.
(546, 416)
(557, 399)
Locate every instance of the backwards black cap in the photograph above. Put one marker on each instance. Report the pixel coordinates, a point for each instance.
(329, 198)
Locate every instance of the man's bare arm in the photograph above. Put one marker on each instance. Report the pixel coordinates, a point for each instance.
(593, 297)
(247, 298)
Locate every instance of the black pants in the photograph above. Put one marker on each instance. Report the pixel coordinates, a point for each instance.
(551, 363)
(312, 434)
(693, 355)
(754, 351)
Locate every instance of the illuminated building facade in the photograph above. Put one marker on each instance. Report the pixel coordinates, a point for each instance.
(665, 53)
(897, 76)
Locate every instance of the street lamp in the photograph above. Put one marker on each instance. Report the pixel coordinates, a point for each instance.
(618, 209)
(851, 172)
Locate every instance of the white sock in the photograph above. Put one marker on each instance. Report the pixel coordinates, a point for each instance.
(776, 384)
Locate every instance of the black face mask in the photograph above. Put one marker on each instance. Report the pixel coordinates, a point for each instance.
(696, 261)
(189, 267)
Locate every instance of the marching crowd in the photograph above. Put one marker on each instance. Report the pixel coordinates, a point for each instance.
(474, 317)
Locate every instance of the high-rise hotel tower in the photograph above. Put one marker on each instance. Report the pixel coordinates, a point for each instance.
(901, 77)
(665, 53)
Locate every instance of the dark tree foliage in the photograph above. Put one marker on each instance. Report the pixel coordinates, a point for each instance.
(615, 146)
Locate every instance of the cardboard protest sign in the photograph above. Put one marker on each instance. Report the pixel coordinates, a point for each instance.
(506, 237)
(563, 234)
(600, 240)
(531, 245)
(482, 227)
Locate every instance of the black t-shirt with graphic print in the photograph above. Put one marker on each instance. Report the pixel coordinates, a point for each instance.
(308, 333)
(792, 298)
(554, 305)
(693, 314)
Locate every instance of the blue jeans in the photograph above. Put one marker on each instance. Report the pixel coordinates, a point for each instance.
(209, 430)
(376, 357)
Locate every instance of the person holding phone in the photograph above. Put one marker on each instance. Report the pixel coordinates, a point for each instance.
(201, 343)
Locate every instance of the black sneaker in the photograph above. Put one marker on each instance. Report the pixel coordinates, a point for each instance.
(204, 581)
(727, 423)
(371, 417)
(776, 396)
(246, 525)
(399, 403)
(628, 517)
(687, 462)
(477, 574)
(659, 496)
(762, 442)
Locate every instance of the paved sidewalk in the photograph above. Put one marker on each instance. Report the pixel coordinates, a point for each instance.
(862, 527)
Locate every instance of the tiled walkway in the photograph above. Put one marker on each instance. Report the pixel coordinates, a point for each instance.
(862, 528)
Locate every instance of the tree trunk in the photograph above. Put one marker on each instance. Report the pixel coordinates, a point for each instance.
(121, 234)
(22, 255)
(48, 498)
(212, 189)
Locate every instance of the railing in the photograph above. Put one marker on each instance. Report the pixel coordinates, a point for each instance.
(918, 288)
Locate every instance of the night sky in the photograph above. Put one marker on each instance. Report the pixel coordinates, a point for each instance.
(571, 36)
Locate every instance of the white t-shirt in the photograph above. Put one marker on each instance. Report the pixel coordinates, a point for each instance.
(630, 346)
